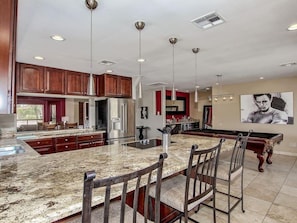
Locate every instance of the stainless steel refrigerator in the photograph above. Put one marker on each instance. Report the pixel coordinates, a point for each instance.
(117, 117)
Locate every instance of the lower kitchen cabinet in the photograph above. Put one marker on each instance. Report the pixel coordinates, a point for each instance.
(65, 143)
(42, 146)
(87, 141)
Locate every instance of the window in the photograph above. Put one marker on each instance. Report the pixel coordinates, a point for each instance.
(29, 114)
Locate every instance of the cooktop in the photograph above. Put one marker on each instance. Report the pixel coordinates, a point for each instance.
(145, 143)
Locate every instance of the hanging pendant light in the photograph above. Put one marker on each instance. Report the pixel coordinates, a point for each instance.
(139, 26)
(91, 4)
(173, 93)
(195, 51)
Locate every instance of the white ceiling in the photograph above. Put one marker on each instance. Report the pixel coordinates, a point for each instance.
(253, 42)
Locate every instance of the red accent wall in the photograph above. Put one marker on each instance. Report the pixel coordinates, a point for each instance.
(59, 102)
(158, 103)
(178, 94)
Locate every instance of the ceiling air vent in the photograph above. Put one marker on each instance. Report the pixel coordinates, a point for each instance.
(209, 20)
(106, 62)
(157, 84)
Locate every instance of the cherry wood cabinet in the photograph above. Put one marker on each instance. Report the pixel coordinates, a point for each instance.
(65, 143)
(76, 83)
(30, 78)
(87, 141)
(42, 146)
(109, 85)
(8, 21)
(54, 81)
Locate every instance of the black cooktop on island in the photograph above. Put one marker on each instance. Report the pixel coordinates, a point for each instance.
(145, 143)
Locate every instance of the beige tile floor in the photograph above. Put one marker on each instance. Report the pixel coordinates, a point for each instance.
(269, 197)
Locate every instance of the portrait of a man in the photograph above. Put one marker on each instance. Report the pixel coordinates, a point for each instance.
(267, 108)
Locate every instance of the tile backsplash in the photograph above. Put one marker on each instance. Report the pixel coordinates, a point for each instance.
(7, 125)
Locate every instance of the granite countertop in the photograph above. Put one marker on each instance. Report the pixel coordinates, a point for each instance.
(55, 133)
(47, 188)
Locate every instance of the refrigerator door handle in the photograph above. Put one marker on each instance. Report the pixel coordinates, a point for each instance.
(124, 117)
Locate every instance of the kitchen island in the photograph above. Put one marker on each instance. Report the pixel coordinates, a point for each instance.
(47, 188)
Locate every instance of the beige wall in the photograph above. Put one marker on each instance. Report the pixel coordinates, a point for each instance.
(196, 109)
(226, 114)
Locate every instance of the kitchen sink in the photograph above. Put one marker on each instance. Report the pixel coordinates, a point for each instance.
(11, 150)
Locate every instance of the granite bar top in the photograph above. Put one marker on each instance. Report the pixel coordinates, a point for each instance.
(54, 133)
(35, 188)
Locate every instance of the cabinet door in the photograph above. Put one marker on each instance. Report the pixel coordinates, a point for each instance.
(111, 85)
(8, 24)
(42, 146)
(30, 78)
(125, 87)
(76, 83)
(54, 81)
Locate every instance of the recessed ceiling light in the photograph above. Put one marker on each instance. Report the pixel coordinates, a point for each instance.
(288, 64)
(108, 71)
(292, 27)
(141, 60)
(38, 58)
(261, 78)
(58, 38)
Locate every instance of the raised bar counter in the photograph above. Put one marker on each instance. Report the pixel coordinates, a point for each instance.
(47, 188)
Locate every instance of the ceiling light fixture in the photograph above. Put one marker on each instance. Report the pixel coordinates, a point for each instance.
(288, 64)
(39, 58)
(139, 26)
(58, 38)
(292, 27)
(220, 95)
(195, 51)
(91, 4)
(173, 41)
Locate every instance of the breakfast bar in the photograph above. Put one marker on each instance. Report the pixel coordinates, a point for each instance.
(46, 188)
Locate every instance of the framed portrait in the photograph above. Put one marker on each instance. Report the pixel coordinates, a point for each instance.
(267, 108)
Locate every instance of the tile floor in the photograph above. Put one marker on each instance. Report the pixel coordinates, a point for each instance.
(269, 197)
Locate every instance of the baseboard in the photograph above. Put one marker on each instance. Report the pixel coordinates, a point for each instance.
(285, 153)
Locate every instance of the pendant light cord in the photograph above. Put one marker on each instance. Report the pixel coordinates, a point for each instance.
(91, 45)
(173, 65)
(196, 78)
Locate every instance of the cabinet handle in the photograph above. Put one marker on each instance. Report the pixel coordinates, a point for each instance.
(66, 140)
(38, 143)
(66, 147)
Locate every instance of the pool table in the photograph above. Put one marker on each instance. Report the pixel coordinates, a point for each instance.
(258, 142)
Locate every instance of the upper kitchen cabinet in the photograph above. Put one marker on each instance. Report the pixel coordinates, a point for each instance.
(54, 81)
(8, 12)
(76, 83)
(30, 78)
(109, 85)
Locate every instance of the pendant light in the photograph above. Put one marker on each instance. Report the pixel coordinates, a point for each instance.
(91, 4)
(195, 51)
(173, 41)
(139, 26)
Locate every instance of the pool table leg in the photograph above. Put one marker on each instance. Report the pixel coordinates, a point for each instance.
(261, 161)
(268, 160)
(260, 157)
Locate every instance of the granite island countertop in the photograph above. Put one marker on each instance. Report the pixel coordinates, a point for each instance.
(47, 188)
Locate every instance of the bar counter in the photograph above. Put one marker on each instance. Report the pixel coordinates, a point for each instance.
(41, 189)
